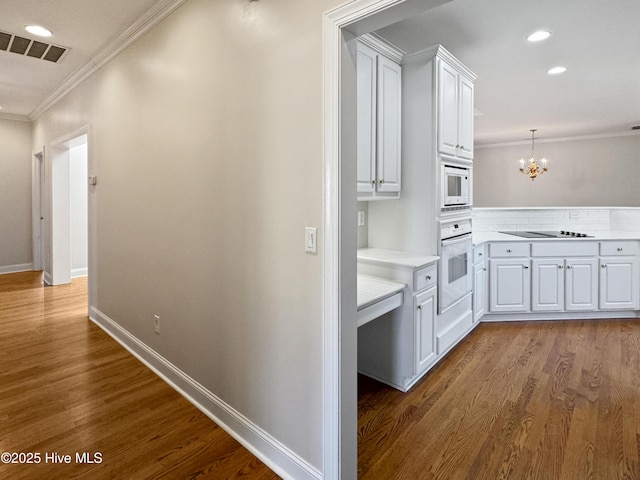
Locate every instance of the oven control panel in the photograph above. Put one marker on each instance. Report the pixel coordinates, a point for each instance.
(455, 228)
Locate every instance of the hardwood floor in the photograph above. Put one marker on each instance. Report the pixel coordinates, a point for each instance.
(535, 400)
(66, 387)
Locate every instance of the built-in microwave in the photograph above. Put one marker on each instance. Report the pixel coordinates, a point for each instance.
(456, 187)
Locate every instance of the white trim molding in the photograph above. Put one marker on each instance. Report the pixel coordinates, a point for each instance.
(14, 117)
(153, 17)
(260, 443)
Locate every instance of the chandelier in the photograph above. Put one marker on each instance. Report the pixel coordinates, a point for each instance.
(533, 169)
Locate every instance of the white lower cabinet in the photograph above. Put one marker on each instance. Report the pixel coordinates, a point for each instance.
(581, 284)
(560, 284)
(400, 346)
(480, 283)
(564, 276)
(424, 324)
(509, 285)
(619, 283)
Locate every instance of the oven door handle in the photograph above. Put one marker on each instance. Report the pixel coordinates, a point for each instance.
(459, 239)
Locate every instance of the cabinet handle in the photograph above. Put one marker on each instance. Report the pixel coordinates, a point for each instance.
(419, 307)
(569, 266)
(619, 249)
(373, 182)
(381, 181)
(484, 269)
(560, 266)
(428, 277)
(604, 265)
(526, 267)
(508, 250)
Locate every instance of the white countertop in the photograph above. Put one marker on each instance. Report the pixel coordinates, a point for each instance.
(374, 289)
(394, 257)
(483, 237)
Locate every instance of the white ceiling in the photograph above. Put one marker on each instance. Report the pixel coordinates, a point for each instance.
(598, 41)
(86, 27)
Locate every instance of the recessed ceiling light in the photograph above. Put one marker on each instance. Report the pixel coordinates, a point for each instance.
(557, 70)
(38, 30)
(538, 36)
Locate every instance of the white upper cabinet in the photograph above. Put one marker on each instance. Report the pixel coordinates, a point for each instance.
(455, 111)
(379, 100)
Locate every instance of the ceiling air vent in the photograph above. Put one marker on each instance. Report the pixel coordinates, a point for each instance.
(31, 48)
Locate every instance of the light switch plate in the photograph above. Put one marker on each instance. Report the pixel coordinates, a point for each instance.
(311, 240)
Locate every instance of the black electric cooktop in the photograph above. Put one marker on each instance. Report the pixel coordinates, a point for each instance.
(552, 234)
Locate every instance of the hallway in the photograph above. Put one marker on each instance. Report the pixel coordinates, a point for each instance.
(78, 405)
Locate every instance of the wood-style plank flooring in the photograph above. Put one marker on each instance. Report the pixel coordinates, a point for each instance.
(535, 400)
(66, 387)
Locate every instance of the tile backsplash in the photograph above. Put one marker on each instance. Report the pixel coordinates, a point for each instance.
(574, 219)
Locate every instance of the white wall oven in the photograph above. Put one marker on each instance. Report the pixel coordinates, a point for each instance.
(455, 273)
(456, 187)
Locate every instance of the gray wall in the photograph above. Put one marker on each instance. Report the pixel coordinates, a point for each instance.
(589, 172)
(15, 195)
(206, 136)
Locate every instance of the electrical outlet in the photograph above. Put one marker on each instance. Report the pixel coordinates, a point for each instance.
(156, 324)
(361, 218)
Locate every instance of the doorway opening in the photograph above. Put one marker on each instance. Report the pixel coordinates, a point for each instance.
(68, 248)
(341, 27)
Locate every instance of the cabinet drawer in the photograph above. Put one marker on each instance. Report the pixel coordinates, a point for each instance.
(425, 277)
(619, 248)
(564, 249)
(478, 254)
(514, 249)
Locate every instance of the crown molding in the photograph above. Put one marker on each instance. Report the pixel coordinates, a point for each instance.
(382, 46)
(429, 53)
(559, 139)
(14, 117)
(153, 17)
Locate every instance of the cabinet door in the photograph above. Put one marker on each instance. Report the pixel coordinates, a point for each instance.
(509, 285)
(547, 285)
(425, 316)
(389, 133)
(448, 110)
(479, 291)
(366, 72)
(581, 284)
(618, 283)
(465, 119)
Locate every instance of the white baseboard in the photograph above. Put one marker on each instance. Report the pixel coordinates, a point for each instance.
(527, 317)
(79, 272)
(274, 454)
(48, 278)
(21, 267)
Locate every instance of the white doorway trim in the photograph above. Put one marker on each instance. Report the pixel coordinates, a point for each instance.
(37, 209)
(340, 25)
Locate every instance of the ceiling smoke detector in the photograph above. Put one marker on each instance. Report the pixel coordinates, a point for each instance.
(31, 48)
